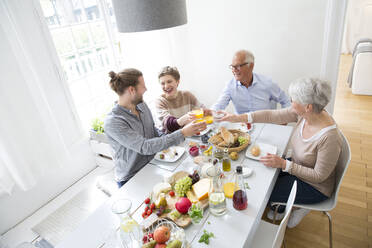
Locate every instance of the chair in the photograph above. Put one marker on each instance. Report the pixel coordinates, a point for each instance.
(329, 204)
(270, 235)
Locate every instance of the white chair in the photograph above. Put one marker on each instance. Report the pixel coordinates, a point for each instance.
(329, 204)
(270, 235)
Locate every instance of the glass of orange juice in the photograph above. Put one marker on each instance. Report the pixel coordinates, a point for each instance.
(199, 113)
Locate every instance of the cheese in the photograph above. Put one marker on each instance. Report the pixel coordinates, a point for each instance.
(192, 197)
(201, 188)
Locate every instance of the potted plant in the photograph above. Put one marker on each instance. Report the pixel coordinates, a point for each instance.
(97, 132)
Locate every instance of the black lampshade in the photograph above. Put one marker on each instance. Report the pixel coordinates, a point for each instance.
(145, 15)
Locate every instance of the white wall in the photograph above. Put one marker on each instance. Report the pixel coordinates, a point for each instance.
(19, 23)
(286, 37)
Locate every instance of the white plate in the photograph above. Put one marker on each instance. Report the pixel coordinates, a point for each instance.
(170, 156)
(265, 148)
(209, 127)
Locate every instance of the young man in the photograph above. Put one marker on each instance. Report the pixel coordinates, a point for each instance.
(130, 127)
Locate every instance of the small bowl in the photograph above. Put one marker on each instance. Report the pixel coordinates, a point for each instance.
(194, 220)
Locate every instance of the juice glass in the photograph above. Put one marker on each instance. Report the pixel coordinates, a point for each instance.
(199, 113)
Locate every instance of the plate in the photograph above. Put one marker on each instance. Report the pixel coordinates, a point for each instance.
(265, 148)
(172, 154)
(209, 127)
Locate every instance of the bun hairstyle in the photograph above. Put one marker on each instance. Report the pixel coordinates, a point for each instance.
(168, 70)
(122, 80)
(312, 91)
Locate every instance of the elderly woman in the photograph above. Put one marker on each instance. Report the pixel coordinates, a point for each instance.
(316, 144)
(173, 106)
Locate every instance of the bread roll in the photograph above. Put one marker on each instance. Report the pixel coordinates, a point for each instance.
(255, 151)
(227, 136)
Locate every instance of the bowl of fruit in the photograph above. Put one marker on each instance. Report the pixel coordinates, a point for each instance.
(164, 234)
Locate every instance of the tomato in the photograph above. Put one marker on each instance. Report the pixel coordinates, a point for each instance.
(146, 208)
(152, 206)
(249, 125)
(171, 193)
(149, 212)
(147, 200)
(144, 215)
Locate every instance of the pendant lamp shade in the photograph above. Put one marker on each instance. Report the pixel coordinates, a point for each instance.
(145, 15)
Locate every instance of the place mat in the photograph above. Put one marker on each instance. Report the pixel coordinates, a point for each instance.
(170, 166)
(56, 226)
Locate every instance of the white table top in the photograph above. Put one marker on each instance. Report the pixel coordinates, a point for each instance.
(235, 226)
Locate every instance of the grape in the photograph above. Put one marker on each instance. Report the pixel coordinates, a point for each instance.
(183, 185)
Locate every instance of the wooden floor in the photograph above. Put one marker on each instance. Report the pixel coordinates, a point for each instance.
(352, 217)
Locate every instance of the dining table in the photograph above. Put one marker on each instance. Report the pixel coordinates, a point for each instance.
(236, 228)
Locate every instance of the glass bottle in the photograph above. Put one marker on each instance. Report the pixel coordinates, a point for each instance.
(217, 200)
(240, 201)
(130, 232)
(226, 163)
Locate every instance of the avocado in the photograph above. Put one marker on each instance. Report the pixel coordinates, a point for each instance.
(175, 244)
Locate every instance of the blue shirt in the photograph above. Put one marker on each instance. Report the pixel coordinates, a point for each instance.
(262, 94)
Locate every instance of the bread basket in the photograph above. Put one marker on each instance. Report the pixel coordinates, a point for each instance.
(213, 141)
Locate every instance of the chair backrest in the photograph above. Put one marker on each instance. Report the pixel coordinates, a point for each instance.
(283, 224)
(341, 167)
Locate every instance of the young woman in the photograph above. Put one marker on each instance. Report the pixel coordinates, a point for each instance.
(174, 106)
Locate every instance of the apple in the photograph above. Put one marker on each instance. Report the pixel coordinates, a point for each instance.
(183, 205)
(162, 234)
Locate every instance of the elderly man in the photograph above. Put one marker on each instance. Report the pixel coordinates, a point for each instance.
(249, 91)
(130, 128)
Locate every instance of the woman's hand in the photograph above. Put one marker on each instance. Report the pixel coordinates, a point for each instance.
(185, 119)
(193, 128)
(229, 117)
(274, 161)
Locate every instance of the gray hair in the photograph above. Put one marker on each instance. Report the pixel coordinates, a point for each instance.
(249, 57)
(312, 91)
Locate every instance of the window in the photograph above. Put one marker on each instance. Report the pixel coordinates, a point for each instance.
(83, 32)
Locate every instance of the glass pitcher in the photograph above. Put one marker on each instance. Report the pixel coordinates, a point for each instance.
(217, 200)
(130, 232)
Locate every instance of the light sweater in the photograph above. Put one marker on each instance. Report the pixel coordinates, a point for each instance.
(175, 108)
(314, 159)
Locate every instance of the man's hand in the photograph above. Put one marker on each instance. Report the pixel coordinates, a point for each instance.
(185, 119)
(193, 128)
(207, 112)
(272, 160)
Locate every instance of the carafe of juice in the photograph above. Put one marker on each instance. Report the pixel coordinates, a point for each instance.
(240, 201)
(226, 163)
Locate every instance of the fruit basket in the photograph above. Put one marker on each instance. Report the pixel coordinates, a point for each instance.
(217, 139)
(176, 233)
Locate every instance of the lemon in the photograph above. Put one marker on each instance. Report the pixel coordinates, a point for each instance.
(216, 198)
(129, 225)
